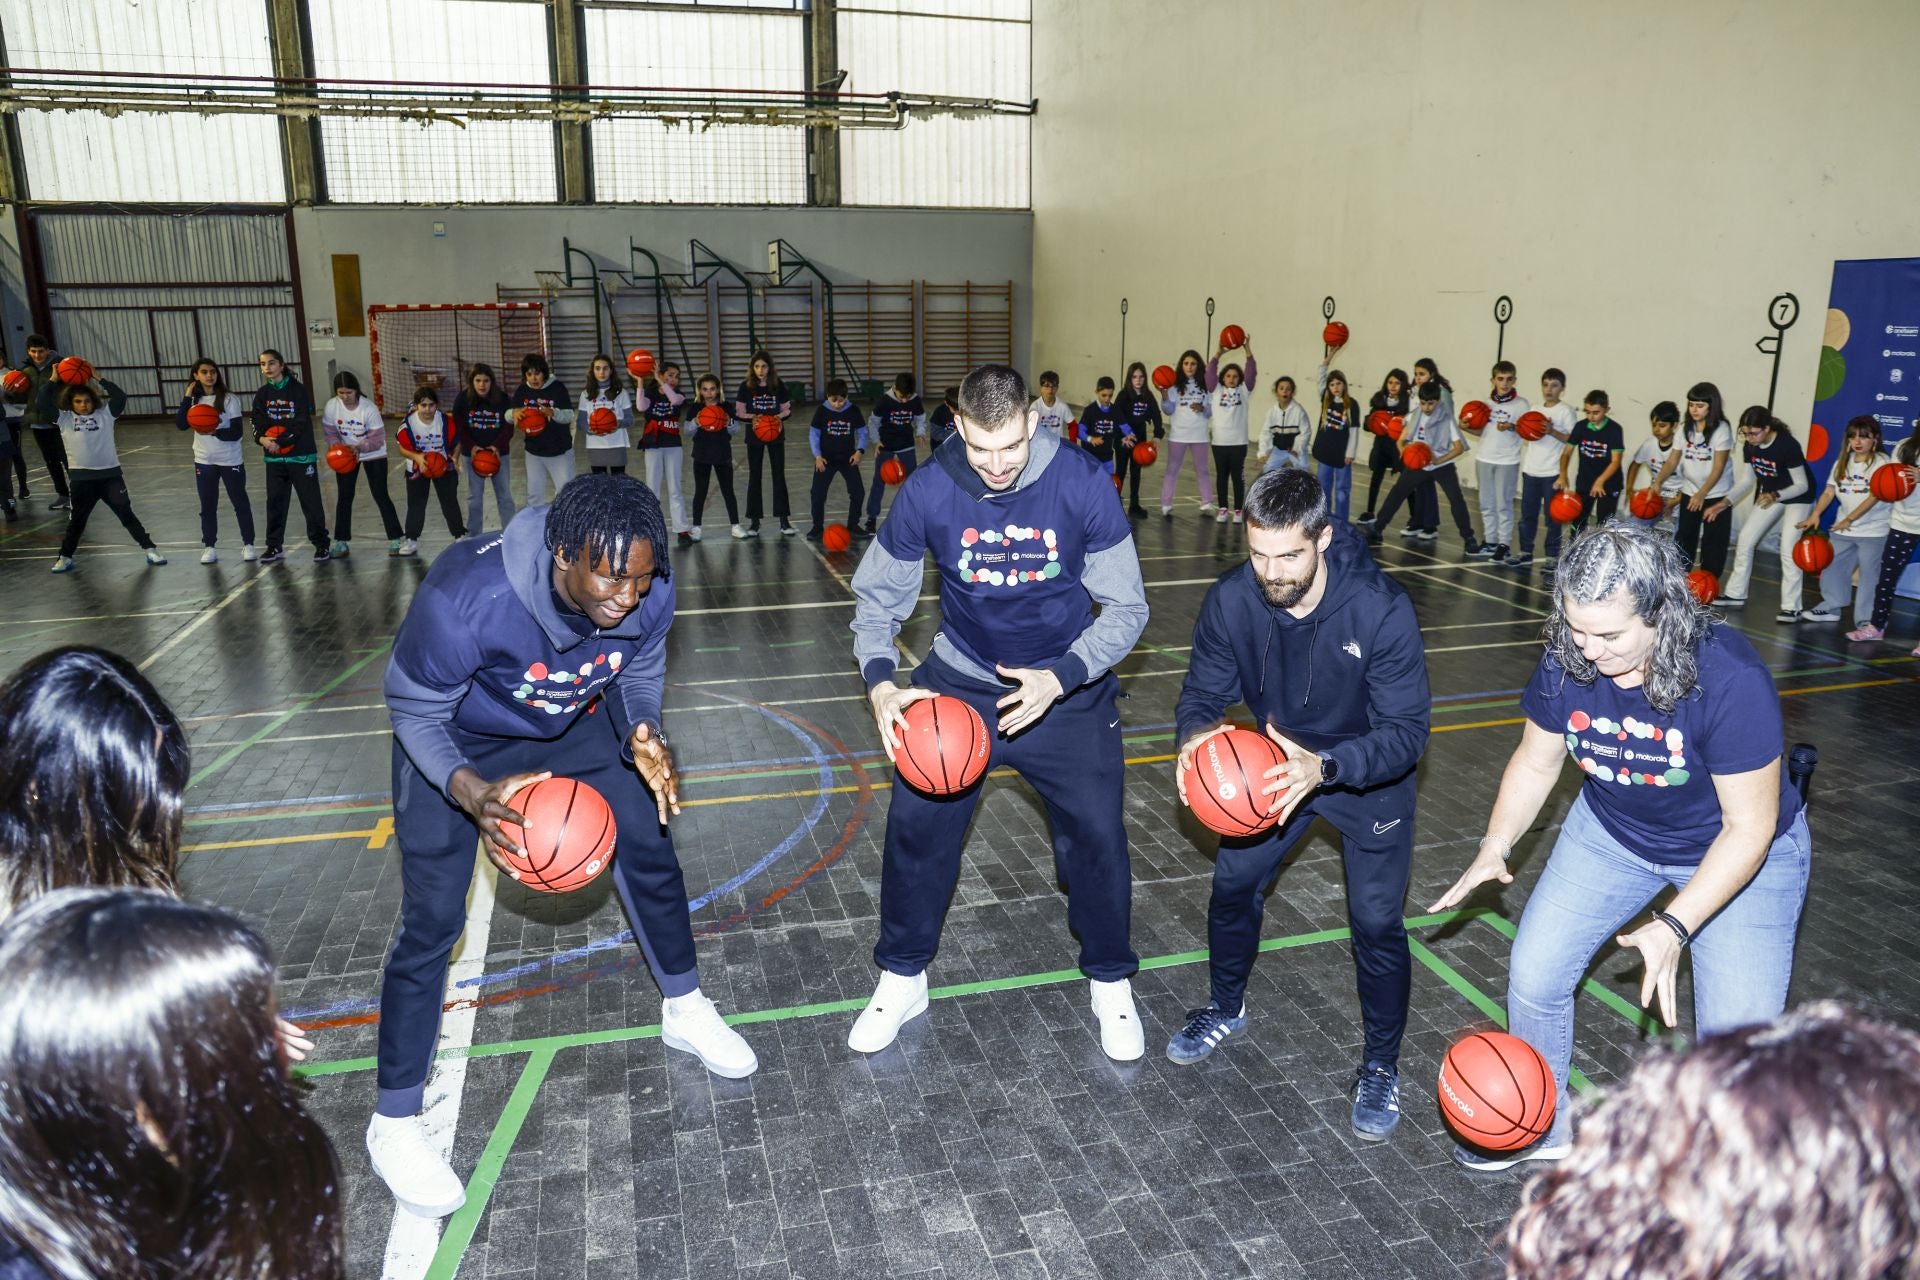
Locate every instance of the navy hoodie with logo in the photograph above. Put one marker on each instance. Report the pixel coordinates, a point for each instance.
(487, 649)
(1349, 679)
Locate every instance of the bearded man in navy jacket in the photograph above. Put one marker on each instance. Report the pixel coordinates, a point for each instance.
(1325, 650)
(535, 653)
(1027, 536)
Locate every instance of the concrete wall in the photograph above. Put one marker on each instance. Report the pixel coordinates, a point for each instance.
(402, 260)
(1641, 177)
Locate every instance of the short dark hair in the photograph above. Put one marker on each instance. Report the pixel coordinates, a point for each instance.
(1048, 375)
(423, 392)
(40, 340)
(1599, 397)
(993, 395)
(602, 516)
(1504, 366)
(534, 362)
(1286, 379)
(1429, 392)
(952, 396)
(1286, 499)
(1665, 411)
(905, 383)
(1558, 375)
(837, 387)
(1105, 383)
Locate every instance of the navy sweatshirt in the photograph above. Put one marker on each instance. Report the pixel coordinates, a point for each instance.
(551, 399)
(896, 421)
(288, 405)
(481, 421)
(1137, 413)
(1349, 679)
(1098, 422)
(837, 434)
(487, 649)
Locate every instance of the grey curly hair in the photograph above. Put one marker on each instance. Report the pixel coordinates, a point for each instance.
(1625, 554)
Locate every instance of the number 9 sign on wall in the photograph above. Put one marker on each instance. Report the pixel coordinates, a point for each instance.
(1869, 362)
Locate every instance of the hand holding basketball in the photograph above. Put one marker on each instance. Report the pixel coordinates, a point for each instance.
(1289, 782)
(890, 703)
(1183, 763)
(487, 804)
(1659, 948)
(655, 765)
(1489, 865)
(1038, 690)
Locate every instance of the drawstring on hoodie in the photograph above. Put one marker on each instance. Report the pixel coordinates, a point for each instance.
(1266, 652)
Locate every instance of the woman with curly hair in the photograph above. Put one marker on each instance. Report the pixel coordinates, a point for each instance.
(1789, 1149)
(1676, 723)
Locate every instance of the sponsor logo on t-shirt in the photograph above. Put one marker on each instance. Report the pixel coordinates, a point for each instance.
(1009, 556)
(557, 691)
(1629, 752)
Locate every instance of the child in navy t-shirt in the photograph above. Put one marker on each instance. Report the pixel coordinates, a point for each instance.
(1596, 449)
(839, 438)
(1100, 423)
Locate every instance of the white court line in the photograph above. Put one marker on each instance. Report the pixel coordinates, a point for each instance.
(412, 1241)
(97, 617)
(174, 640)
(268, 715)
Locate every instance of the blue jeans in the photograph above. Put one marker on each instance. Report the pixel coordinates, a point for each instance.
(1592, 885)
(477, 491)
(1338, 482)
(1282, 458)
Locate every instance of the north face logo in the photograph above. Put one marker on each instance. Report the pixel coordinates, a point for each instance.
(1352, 647)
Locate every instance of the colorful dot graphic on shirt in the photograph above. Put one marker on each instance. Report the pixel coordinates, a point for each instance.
(1654, 756)
(996, 557)
(558, 692)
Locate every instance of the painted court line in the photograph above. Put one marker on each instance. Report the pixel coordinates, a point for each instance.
(173, 641)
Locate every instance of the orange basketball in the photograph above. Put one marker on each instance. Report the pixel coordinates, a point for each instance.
(1145, 454)
(533, 421)
(433, 464)
(836, 537)
(1225, 778)
(1705, 586)
(1646, 505)
(712, 418)
(1496, 1092)
(893, 471)
(1416, 456)
(1813, 552)
(568, 839)
(74, 371)
(944, 748)
(766, 428)
(640, 362)
(1475, 415)
(342, 458)
(1891, 482)
(1164, 377)
(1396, 425)
(274, 438)
(203, 418)
(1565, 508)
(15, 383)
(1335, 334)
(1532, 425)
(1232, 338)
(602, 421)
(1377, 421)
(486, 462)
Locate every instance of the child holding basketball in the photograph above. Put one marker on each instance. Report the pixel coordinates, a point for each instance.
(480, 422)
(606, 407)
(763, 395)
(1383, 458)
(662, 445)
(353, 420)
(1860, 531)
(217, 460)
(899, 420)
(283, 428)
(1431, 427)
(426, 439)
(1228, 428)
(713, 453)
(1100, 424)
(838, 438)
(85, 417)
(1188, 405)
(1335, 439)
(1653, 452)
(1903, 535)
(1704, 465)
(1594, 452)
(1497, 462)
(1139, 420)
(1280, 437)
(1540, 471)
(548, 437)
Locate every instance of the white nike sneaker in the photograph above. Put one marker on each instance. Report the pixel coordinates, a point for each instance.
(248, 553)
(739, 532)
(419, 1176)
(1121, 1035)
(209, 556)
(895, 1001)
(692, 1025)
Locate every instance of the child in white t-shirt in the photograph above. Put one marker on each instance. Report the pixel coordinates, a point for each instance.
(1286, 423)
(1540, 467)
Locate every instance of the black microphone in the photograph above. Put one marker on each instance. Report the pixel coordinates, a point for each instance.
(1800, 764)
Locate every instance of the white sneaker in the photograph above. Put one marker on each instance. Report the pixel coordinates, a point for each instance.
(740, 531)
(1121, 1035)
(1166, 512)
(695, 532)
(1236, 517)
(1206, 508)
(154, 556)
(209, 556)
(1222, 517)
(895, 1000)
(409, 547)
(692, 1025)
(248, 553)
(419, 1177)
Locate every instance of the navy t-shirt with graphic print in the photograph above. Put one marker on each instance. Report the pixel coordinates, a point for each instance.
(1774, 463)
(1650, 773)
(1595, 447)
(1010, 562)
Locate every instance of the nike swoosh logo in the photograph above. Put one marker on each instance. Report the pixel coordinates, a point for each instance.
(1114, 725)
(1381, 828)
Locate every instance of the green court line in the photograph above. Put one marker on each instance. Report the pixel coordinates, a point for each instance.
(32, 528)
(791, 644)
(234, 752)
(458, 1233)
(719, 648)
(1482, 1001)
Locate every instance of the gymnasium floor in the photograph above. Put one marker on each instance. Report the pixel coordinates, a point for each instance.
(994, 1140)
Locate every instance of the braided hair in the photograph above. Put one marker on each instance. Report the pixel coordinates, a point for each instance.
(604, 516)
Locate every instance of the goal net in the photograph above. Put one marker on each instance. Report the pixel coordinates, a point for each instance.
(438, 345)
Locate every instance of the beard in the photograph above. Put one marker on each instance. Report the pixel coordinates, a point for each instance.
(1284, 593)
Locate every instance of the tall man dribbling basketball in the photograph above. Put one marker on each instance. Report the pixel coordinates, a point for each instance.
(1325, 650)
(535, 652)
(1027, 537)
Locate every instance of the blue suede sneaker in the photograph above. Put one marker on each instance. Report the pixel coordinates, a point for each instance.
(1376, 1101)
(1205, 1031)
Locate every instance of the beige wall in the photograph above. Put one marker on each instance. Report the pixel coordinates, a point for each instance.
(1640, 177)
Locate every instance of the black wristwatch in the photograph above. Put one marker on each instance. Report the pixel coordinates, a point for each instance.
(1329, 769)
